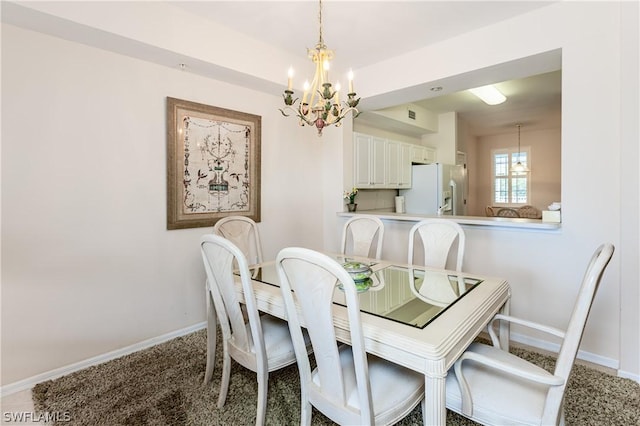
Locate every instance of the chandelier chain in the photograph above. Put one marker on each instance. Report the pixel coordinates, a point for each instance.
(321, 40)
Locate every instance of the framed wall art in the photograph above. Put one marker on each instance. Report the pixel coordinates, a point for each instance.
(213, 164)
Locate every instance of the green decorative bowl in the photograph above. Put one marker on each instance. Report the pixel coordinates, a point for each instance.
(361, 273)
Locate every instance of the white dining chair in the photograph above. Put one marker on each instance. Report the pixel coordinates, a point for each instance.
(243, 233)
(261, 345)
(494, 387)
(359, 235)
(438, 237)
(348, 385)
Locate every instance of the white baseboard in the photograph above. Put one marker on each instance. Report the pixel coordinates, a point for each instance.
(555, 348)
(627, 375)
(63, 371)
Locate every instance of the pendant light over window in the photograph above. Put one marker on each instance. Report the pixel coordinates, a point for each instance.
(519, 168)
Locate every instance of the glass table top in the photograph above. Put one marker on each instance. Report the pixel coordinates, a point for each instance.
(410, 296)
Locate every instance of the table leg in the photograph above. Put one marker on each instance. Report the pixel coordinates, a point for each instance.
(505, 327)
(435, 402)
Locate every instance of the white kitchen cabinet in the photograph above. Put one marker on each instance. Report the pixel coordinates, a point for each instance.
(370, 161)
(398, 173)
(405, 169)
(393, 161)
(422, 154)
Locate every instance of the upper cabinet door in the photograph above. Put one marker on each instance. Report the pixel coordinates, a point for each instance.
(394, 155)
(405, 166)
(362, 147)
(369, 158)
(378, 162)
(422, 154)
(398, 164)
(430, 155)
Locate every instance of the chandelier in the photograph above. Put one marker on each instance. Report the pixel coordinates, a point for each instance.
(320, 105)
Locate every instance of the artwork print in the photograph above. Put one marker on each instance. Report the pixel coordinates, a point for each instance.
(214, 171)
(216, 166)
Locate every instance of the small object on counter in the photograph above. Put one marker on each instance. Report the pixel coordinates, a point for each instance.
(551, 216)
(554, 206)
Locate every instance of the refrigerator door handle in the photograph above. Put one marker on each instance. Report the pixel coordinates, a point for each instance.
(454, 197)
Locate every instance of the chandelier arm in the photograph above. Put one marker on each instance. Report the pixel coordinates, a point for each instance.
(313, 88)
(282, 110)
(304, 119)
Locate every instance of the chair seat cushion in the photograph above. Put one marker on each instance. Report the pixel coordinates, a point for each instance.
(277, 341)
(498, 397)
(392, 386)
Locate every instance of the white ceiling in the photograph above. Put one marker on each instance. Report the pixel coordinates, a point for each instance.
(361, 33)
(366, 32)
(535, 102)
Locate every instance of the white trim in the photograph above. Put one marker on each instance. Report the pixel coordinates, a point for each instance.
(628, 375)
(555, 348)
(30, 382)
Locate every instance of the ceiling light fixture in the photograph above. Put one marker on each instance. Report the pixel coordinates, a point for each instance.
(489, 95)
(519, 168)
(320, 105)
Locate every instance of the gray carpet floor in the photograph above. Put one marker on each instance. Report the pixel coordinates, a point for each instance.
(163, 385)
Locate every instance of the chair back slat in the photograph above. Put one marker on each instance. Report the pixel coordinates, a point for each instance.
(243, 233)
(363, 232)
(438, 237)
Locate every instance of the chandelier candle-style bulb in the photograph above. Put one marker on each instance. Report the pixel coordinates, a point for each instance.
(320, 105)
(306, 92)
(290, 79)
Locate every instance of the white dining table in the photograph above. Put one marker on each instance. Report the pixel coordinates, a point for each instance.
(402, 325)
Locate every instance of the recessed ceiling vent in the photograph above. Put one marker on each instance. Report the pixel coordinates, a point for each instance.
(412, 114)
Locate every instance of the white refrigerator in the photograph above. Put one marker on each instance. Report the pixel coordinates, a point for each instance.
(436, 189)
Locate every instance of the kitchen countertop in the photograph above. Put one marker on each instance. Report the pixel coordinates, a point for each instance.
(494, 222)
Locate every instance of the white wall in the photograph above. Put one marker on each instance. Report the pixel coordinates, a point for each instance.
(545, 269)
(87, 263)
(83, 171)
(630, 188)
(445, 141)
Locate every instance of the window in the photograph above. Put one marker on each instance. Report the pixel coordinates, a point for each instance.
(510, 189)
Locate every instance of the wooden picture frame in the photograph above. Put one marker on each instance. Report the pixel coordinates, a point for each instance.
(213, 164)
